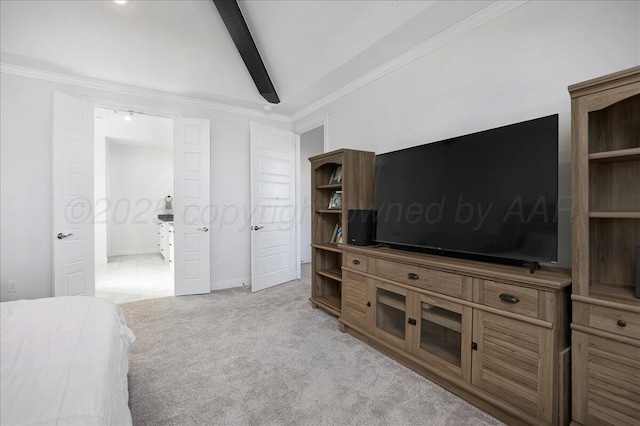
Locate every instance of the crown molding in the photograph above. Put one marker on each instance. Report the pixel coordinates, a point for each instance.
(457, 30)
(89, 83)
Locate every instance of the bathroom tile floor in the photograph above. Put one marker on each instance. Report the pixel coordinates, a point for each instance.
(135, 277)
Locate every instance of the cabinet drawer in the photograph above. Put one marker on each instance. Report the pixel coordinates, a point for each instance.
(356, 262)
(615, 321)
(428, 279)
(511, 298)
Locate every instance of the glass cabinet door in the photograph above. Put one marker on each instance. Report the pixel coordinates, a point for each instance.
(391, 314)
(441, 334)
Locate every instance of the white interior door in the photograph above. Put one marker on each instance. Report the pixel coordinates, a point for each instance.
(191, 211)
(72, 181)
(273, 195)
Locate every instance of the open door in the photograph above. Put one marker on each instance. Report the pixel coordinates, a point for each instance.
(191, 206)
(72, 191)
(273, 209)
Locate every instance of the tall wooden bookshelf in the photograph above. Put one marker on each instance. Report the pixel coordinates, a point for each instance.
(356, 186)
(605, 125)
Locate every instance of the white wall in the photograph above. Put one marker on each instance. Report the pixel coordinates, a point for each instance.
(25, 164)
(311, 143)
(140, 177)
(512, 69)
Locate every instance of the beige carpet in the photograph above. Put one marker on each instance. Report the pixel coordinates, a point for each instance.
(267, 358)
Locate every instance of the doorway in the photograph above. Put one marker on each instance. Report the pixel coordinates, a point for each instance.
(134, 190)
(74, 201)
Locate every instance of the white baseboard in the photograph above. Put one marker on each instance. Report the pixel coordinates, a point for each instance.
(102, 260)
(237, 282)
(132, 252)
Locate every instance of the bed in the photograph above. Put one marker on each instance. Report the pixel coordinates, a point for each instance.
(64, 361)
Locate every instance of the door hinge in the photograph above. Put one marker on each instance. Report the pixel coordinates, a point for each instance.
(474, 346)
(412, 321)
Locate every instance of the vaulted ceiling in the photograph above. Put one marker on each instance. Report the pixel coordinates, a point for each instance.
(311, 48)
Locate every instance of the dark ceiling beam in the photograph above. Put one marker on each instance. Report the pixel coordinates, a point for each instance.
(237, 27)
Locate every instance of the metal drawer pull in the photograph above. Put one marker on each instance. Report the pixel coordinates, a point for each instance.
(412, 276)
(509, 298)
(356, 262)
(622, 323)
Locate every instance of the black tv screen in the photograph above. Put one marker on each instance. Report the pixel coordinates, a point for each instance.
(492, 194)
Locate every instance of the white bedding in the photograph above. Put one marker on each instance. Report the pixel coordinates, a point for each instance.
(64, 361)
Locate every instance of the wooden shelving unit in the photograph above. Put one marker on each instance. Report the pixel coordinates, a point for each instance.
(357, 193)
(606, 239)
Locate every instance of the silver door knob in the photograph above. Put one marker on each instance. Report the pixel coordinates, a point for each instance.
(61, 235)
(256, 228)
(205, 229)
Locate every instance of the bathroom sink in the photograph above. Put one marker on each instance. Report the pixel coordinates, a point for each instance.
(166, 217)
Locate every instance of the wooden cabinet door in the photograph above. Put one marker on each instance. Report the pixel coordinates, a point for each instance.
(513, 362)
(606, 381)
(356, 301)
(443, 335)
(390, 312)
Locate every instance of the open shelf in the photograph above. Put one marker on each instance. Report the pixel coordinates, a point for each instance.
(621, 294)
(613, 250)
(327, 247)
(334, 274)
(332, 301)
(615, 127)
(338, 211)
(327, 290)
(614, 215)
(629, 154)
(330, 186)
(613, 186)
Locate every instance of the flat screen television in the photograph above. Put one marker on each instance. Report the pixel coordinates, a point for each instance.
(491, 195)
